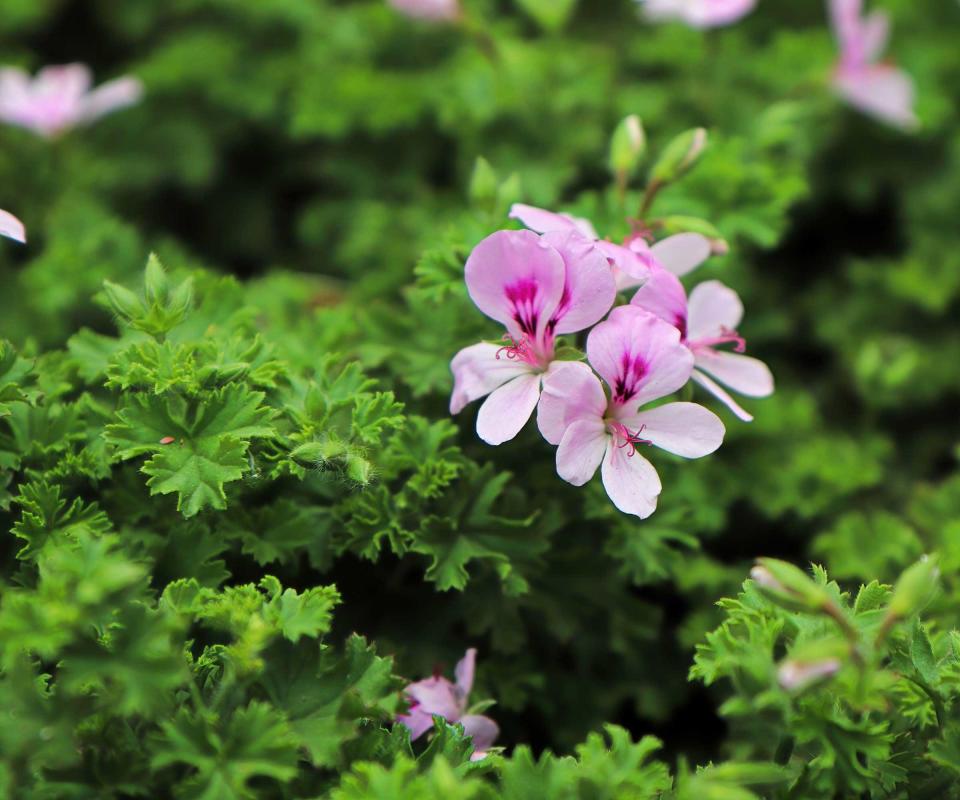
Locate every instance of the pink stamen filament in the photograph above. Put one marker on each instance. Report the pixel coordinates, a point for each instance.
(726, 336)
(521, 349)
(626, 438)
(640, 231)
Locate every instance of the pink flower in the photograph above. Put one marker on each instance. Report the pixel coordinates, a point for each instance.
(632, 261)
(59, 98)
(11, 227)
(641, 359)
(428, 9)
(878, 89)
(698, 13)
(707, 321)
(538, 287)
(437, 696)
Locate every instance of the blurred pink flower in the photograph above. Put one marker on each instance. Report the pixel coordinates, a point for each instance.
(59, 98)
(708, 320)
(698, 13)
(538, 287)
(879, 89)
(11, 227)
(641, 359)
(428, 9)
(631, 261)
(438, 696)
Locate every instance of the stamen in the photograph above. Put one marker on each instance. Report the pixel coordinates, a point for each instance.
(640, 230)
(629, 439)
(521, 349)
(726, 336)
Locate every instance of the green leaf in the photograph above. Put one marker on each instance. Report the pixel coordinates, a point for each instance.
(14, 372)
(45, 516)
(197, 473)
(198, 444)
(326, 694)
(226, 753)
(921, 655)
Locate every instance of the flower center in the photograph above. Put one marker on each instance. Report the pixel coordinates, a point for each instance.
(521, 349)
(624, 437)
(633, 369)
(726, 336)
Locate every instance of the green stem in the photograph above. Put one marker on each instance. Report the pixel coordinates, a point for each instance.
(649, 195)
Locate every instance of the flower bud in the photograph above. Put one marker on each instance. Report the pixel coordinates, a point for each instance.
(913, 588)
(124, 302)
(796, 675)
(359, 469)
(181, 298)
(155, 283)
(680, 156)
(788, 586)
(627, 146)
(483, 183)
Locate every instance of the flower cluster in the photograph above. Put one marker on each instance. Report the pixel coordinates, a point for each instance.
(561, 278)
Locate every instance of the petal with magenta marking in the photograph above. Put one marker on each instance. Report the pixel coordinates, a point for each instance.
(516, 278)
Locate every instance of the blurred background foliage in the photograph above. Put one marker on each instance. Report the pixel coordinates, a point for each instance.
(323, 153)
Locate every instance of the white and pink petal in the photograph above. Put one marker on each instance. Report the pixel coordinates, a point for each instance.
(712, 310)
(435, 695)
(640, 357)
(589, 288)
(682, 253)
(517, 279)
(11, 227)
(479, 369)
(882, 91)
(543, 221)
(663, 295)
(507, 409)
(481, 729)
(571, 392)
(630, 480)
(463, 673)
(744, 374)
(685, 429)
(724, 397)
(581, 450)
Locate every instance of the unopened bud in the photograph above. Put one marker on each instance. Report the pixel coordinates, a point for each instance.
(765, 580)
(181, 298)
(680, 156)
(155, 283)
(627, 146)
(316, 453)
(124, 302)
(483, 183)
(913, 588)
(359, 469)
(796, 675)
(789, 586)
